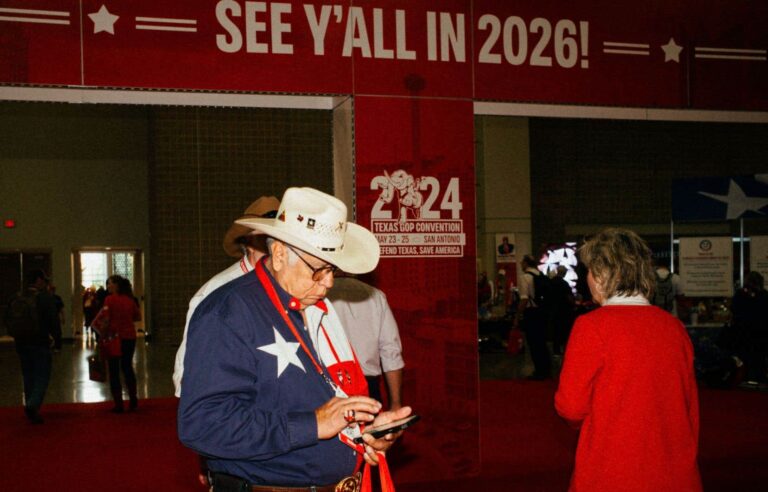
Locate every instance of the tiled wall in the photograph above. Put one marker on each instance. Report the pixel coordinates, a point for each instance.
(206, 165)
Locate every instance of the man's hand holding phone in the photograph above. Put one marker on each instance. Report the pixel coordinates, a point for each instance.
(381, 444)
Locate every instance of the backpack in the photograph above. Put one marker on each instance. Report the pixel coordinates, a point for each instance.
(21, 315)
(663, 294)
(541, 288)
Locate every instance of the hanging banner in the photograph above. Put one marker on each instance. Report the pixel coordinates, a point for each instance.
(758, 255)
(667, 54)
(415, 183)
(720, 198)
(706, 266)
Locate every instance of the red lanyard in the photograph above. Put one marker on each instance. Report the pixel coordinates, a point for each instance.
(272, 293)
(333, 350)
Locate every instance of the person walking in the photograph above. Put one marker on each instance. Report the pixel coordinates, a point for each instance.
(116, 319)
(32, 321)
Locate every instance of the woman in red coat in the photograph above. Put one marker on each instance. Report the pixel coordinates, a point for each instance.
(628, 380)
(119, 313)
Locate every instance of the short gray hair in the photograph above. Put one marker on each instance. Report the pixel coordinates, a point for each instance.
(292, 256)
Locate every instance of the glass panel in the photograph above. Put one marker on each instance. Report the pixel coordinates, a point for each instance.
(122, 264)
(94, 269)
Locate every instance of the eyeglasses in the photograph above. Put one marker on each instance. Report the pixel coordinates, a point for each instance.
(320, 273)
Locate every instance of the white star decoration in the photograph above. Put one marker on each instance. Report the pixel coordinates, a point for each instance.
(737, 201)
(671, 51)
(103, 20)
(284, 351)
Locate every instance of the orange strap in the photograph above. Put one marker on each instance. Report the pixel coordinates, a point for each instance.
(386, 479)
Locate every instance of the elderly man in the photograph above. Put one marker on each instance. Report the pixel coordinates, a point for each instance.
(272, 393)
(239, 242)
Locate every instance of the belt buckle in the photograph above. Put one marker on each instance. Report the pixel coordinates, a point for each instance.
(350, 484)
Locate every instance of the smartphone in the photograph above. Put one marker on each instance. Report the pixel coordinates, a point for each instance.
(394, 426)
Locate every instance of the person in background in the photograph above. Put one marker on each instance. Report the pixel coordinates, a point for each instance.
(90, 308)
(117, 316)
(532, 317)
(750, 324)
(628, 379)
(101, 294)
(60, 317)
(32, 321)
(667, 290)
(562, 306)
(372, 330)
(239, 242)
(485, 295)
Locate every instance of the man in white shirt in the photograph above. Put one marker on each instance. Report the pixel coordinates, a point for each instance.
(239, 242)
(372, 331)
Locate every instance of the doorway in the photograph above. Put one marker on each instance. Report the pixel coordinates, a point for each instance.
(92, 267)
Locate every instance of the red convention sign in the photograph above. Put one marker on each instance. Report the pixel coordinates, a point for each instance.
(674, 54)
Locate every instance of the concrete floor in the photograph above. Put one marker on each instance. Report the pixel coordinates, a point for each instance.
(154, 366)
(69, 376)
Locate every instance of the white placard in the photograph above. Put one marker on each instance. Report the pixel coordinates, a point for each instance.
(410, 220)
(706, 266)
(758, 255)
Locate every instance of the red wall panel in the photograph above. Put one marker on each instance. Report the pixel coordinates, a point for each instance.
(426, 228)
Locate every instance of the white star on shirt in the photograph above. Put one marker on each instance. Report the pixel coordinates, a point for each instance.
(284, 351)
(671, 51)
(737, 201)
(103, 20)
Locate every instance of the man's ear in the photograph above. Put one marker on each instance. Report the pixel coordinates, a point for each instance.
(279, 255)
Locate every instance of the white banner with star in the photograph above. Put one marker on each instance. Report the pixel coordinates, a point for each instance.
(706, 266)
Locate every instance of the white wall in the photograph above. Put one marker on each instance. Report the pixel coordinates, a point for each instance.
(504, 186)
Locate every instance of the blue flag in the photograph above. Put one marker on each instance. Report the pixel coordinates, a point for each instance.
(720, 198)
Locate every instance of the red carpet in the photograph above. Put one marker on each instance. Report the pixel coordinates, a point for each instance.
(524, 446)
(85, 447)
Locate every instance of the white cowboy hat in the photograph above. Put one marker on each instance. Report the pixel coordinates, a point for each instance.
(262, 206)
(316, 223)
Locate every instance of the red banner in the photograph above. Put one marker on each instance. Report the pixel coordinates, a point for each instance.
(672, 54)
(415, 190)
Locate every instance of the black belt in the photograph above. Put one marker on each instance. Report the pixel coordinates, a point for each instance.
(222, 482)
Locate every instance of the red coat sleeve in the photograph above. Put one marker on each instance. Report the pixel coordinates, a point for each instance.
(584, 358)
